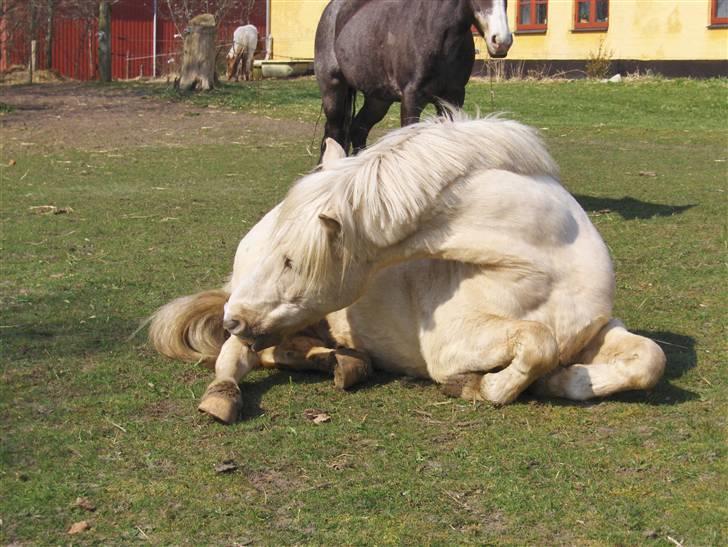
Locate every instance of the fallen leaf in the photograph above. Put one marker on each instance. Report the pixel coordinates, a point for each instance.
(316, 416)
(85, 504)
(78, 527)
(43, 209)
(49, 209)
(228, 466)
(647, 174)
(11, 163)
(340, 462)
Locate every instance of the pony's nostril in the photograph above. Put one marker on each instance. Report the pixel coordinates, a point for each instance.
(494, 39)
(230, 325)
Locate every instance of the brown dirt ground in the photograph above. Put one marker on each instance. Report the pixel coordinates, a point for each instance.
(57, 116)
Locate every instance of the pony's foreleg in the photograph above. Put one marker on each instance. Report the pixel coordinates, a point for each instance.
(249, 66)
(520, 351)
(222, 399)
(614, 360)
(304, 354)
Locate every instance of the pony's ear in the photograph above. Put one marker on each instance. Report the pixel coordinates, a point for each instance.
(331, 225)
(332, 152)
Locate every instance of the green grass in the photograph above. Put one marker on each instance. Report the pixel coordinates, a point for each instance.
(86, 412)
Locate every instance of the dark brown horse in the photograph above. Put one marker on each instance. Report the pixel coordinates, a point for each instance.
(413, 51)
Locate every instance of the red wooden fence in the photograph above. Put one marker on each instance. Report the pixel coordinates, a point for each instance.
(75, 42)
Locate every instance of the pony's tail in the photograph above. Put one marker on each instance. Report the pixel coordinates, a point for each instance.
(190, 328)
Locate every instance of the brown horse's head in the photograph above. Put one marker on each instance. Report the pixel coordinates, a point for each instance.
(492, 23)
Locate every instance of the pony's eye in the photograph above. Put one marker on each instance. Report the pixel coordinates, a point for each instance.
(287, 263)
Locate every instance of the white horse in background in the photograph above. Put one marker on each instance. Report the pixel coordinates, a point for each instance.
(448, 250)
(240, 56)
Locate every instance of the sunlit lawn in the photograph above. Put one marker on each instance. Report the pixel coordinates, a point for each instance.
(86, 412)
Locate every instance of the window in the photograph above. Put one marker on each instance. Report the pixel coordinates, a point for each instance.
(591, 14)
(532, 15)
(719, 12)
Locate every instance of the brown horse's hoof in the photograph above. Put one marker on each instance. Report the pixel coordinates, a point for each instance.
(222, 400)
(351, 368)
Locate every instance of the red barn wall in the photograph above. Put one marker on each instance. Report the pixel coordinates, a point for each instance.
(75, 42)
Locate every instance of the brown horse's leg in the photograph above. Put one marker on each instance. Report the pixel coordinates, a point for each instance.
(453, 97)
(370, 114)
(412, 106)
(336, 99)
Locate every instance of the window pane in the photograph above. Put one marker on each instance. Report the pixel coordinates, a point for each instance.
(525, 14)
(602, 11)
(583, 8)
(722, 8)
(541, 14)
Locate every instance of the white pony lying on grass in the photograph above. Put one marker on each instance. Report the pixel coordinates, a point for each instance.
(448, 250)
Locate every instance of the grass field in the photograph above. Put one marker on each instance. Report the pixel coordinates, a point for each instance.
(87, 412)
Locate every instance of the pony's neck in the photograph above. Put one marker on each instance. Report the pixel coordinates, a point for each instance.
(438, 235)
(402, 197)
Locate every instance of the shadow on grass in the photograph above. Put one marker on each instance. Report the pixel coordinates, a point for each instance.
(37, 341)
(629, 208)
(254, 391)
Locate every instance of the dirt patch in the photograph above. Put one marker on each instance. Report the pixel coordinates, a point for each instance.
(90, 116)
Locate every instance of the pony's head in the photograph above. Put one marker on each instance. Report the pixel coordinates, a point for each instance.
(297, 268)
(492, 23)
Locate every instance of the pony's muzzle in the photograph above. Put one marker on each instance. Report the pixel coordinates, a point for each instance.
(238, 328)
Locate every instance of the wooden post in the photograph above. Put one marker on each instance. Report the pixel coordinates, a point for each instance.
(199, 54)
(50, 9)
(104, 41)
(31, 65)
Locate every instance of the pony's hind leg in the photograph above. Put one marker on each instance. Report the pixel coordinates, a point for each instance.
(519, 352)
(614, 360)
(222, 399)
(369, 115)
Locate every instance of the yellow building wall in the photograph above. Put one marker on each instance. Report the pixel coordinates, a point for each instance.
(293, 27)
(638, 29)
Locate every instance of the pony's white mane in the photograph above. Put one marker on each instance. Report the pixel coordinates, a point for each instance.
(379, 195)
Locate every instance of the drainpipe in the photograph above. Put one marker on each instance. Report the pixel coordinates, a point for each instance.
(154, 40)
(268, 40)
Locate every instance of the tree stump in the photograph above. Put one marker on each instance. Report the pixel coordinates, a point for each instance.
(104, 57)
(199, 55)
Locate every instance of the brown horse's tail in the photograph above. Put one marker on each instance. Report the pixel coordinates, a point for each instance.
(190, 328)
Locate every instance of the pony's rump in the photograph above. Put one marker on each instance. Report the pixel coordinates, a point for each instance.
(190, 328)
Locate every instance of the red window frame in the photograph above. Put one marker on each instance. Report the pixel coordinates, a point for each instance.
(592, 24)
(714, 19)
(532, 7)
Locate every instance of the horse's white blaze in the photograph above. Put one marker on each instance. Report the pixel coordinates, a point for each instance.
(494, 25)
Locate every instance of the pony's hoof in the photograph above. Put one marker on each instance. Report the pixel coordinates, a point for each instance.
(222, 400)
(351, 368)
